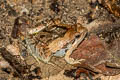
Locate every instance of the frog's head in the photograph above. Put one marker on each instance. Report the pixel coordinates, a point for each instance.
(80, 30)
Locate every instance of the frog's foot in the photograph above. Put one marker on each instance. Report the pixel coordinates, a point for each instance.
(73, 61)
(45, 59)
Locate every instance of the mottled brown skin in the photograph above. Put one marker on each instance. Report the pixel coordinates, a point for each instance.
(101, 56)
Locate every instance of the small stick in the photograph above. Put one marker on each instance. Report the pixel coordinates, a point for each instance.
(12, 61)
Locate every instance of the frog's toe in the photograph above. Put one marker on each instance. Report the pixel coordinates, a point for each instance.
(46, 60)
(73, 61)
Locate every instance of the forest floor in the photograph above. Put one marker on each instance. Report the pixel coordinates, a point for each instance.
(37, 11)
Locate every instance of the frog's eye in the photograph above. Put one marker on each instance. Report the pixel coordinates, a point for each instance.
(77, 35)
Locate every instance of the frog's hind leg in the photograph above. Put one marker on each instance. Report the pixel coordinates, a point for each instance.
(58, 23)
(44, 54)
(73, 47)
(31, 50)
(37, 54)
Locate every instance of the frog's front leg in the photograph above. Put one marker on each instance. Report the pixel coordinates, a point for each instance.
(113, 64)
(74, 46)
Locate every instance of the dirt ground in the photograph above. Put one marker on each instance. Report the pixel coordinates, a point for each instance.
(37, 11)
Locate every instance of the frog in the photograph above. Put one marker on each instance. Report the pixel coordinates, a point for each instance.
(59, 47)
